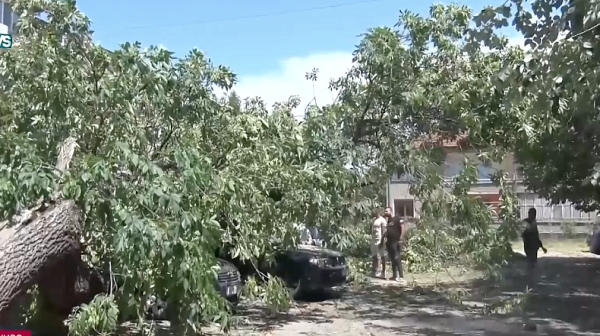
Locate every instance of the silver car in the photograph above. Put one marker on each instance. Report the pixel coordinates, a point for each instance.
(228, 282)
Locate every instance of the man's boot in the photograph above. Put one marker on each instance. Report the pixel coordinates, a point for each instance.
(383, 267)
(394, 271)
(375, 266)
(399, 276)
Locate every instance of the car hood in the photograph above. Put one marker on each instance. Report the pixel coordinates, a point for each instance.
(225, 266)
(316, 251)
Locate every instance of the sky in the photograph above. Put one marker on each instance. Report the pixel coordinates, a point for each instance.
(270, 45)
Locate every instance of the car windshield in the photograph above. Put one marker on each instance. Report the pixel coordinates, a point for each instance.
(314, 232)
(310, 235)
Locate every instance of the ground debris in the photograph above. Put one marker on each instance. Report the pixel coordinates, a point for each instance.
(378, 309)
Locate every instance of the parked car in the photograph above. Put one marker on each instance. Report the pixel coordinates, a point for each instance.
(308, 268)
(593, 239)
(594, 242)
(228, 282)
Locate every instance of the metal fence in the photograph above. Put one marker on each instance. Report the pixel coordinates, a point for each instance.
(553, 213)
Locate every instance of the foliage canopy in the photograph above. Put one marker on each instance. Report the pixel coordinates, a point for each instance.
(552, 93)
(166, 172)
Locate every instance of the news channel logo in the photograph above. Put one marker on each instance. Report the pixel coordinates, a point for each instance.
(6, 41)
(12, 332)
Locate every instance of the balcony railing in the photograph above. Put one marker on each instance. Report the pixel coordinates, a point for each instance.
(447, 179)
(404, 178)
(481, 181)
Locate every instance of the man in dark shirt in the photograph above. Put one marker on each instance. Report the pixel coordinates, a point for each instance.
(393, 236)
(531, 242)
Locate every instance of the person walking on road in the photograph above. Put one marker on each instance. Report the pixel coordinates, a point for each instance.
(394, 234)
(531, 243)
(377, 235)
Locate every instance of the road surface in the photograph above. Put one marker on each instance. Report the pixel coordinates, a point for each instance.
(566, 301)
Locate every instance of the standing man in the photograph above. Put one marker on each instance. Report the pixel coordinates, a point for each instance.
(394, 234)
(531, 243)
(377, 235)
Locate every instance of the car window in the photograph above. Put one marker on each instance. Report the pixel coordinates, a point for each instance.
(314, 232)
(305, 236)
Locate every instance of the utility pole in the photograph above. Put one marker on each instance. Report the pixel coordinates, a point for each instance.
(387, 194)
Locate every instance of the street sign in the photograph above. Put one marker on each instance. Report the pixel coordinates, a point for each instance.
(6, 41)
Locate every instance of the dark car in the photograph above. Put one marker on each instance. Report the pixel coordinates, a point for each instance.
(308, 268)
(593, 242)
(228, 282)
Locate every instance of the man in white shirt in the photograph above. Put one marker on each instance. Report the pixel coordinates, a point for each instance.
(377, 249)
(305, 236)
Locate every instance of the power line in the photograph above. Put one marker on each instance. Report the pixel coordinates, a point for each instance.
(195, 23)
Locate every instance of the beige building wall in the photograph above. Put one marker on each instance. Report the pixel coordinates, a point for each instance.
(455, 159)
(399, 191)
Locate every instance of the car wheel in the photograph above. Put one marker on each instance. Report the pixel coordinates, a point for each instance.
(296, 291)
(156, 309)
(595, 243)
(234, 300)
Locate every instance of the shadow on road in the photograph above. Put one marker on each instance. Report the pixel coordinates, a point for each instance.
(314, 308)
(376, 302)
(566, 301)
(567, 292)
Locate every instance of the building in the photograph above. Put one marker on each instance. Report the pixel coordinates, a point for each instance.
(407, 205)
(8, 18)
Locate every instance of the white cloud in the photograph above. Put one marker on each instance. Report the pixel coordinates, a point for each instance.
(290, 79)
(513, 41)
(516, 40)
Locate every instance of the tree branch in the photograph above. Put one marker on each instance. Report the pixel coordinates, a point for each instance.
(165, 140)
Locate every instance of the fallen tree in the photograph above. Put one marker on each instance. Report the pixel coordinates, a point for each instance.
(42, 245)
(32, 249)
(159, 158)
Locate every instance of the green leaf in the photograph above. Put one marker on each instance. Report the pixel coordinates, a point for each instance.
(85, 177)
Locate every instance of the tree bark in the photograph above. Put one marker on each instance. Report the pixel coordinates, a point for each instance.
(68, 283)
(34, 246)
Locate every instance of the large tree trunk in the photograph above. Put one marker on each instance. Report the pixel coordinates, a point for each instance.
(67, 284)
(44, 248)
(34, 248)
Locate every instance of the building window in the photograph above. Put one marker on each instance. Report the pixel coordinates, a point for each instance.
(404, 208)
(7, 15)
(485, 172)
(404, 177)
(518, 171)
(452, 169)
(15, 22)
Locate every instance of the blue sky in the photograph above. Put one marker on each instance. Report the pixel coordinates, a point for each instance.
(269, 44)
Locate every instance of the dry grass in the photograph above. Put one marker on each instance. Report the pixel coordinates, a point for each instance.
(450, 275)
(560, 246)
(566, 247)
